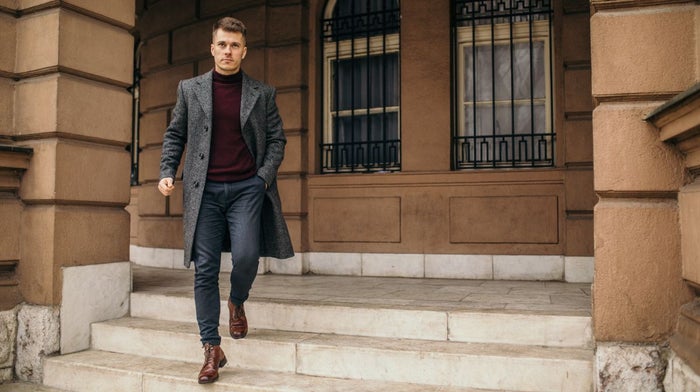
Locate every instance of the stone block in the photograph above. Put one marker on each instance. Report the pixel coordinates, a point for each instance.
(149, 164)
(295, 156)
(459, 266)
(35, 272)
(33, 53)
(284, 66)
(622, 40)
(38, 335)
(8, 334)
(579, 236)
(254, 19)
(72, 105)
(36, 109)
(637, 255)
(580, 195)
(7, 103)
(8, 48)
(398, 265)
(291, 193)
(207, 64)
(579, 141)
(163, 16)
(292, 107)
(576, 38)
(155, 53)
(334, 263)
(152, 128)
(133, 210)
(92, 293)
(94, 110)
(81, 47)
(160, 88)
(160, 233)
(215, 7)
(628, 368)
(577, 84)
(192, 41)
(121, 11)
(287, 24)
(103, 172)
(628, 153)
(528, 267)
(151, 201)
(90, 235)
(253, 65)
(295, 265)
(578, 269)
(10, 221)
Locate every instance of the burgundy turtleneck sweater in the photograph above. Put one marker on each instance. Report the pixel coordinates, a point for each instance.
(230, 159)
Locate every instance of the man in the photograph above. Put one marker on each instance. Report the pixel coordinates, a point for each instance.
(235, 144)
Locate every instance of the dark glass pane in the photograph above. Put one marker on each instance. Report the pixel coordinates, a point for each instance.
(366, 82)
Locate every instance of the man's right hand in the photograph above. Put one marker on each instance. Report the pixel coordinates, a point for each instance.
(166, 186)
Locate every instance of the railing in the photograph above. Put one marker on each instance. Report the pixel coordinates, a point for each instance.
(378, 156)
(498, 151)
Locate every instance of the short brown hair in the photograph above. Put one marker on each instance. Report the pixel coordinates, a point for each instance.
(229, 24)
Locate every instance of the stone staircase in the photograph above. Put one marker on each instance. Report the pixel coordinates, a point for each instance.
(331, 333)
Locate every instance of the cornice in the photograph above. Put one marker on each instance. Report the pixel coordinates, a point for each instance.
(678, 121)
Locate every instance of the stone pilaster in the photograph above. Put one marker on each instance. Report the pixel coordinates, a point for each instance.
(639, 60)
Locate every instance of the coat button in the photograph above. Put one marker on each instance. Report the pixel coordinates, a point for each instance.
(196, 185)
(206, 129)
(201, 156)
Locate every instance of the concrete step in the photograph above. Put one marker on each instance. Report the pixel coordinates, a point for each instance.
(522, 326)
(98, 371)
(438, 363)
(28, 387)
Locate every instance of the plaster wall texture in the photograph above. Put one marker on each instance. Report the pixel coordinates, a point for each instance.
(638, 288)
(621, 41)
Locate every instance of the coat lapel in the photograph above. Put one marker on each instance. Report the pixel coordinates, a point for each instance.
(204, 95)
(250, 93)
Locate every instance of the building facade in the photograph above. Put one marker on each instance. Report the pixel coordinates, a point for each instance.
(528, 139)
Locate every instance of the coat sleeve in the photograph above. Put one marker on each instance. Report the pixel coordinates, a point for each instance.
(175, 137)
(274, 141)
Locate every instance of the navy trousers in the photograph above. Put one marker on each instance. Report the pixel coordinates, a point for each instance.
(236, 205)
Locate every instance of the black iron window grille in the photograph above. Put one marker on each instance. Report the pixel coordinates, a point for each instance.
(503, 63)
(361, 79)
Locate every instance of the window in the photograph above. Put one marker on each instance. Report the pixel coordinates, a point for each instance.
(504, 84)
(361, 131)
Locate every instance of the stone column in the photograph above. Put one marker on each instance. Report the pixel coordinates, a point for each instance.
(72, 66)
(641, 56)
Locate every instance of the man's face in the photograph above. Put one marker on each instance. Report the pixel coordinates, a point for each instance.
(228, 49)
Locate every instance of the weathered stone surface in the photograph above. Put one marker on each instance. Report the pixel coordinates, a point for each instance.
(8, 333)
(38, 335)
(680, 377)
(629, 368)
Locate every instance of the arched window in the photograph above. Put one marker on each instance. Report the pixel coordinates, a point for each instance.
(361, 131)
(503, 65)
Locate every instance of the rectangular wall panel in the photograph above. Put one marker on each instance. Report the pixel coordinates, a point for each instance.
(495, 219)
(357, 219)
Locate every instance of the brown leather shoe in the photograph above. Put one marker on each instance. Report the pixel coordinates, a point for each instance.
(237, 322)
(214, 358)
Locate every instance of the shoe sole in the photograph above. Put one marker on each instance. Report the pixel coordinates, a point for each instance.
(221, 364)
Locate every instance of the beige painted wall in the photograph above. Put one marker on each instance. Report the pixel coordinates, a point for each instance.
(549, 211)
(639, 61)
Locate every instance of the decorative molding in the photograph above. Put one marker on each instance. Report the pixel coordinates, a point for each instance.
(686, 341)
(678, 121)
(604, 5)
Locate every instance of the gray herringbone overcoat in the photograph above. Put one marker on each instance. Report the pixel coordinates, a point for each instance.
(261, 126)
